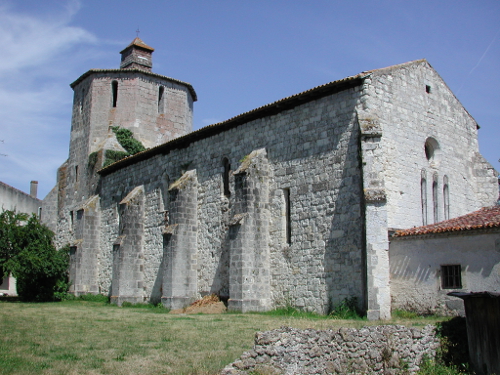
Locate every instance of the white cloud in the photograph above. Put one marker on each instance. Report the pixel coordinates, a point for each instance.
(40, 56)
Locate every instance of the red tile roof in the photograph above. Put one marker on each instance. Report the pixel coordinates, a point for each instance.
(487, 217)
(139, 43)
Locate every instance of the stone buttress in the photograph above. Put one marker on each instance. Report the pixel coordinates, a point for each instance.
(128, 261)
(180, 246)
(249, 273)
(84, 251)
(376, 239)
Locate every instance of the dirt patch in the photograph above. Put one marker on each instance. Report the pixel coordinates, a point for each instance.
(210, 304)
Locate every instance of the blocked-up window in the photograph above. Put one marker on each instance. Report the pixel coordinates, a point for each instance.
(435, 204)
(446, 198)
(451, 276)
(423, 199)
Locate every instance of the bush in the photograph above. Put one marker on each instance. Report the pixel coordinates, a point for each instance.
(28, 253)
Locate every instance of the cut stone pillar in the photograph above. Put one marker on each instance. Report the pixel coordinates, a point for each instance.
(180, 286)
(249, 274)
(84, 251)
(376, 228)
(127, 283)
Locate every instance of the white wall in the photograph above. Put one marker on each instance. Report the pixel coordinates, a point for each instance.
(415, 264)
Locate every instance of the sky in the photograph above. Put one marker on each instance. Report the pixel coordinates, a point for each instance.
(237, 54)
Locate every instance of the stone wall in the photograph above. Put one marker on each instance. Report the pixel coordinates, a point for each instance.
(389, 349)
(241, 250)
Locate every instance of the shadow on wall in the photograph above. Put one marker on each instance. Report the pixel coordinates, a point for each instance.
(344, 258)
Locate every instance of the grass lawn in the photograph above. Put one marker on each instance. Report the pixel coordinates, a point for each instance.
(81, 337)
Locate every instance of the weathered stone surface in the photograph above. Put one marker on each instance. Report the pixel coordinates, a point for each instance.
(373, 350)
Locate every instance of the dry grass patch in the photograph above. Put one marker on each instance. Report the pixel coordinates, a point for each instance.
(78, 337)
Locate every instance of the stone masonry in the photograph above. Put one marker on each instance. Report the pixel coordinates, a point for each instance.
(290, 203)
(370, 350)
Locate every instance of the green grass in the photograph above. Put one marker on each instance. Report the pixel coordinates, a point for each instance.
(88, 337)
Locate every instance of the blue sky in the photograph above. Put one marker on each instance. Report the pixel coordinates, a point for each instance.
(238, 55)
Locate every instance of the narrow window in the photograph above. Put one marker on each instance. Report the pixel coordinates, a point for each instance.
(161, 103)
(288, 227)
(435, 201)
(225, 176)
(76, 173)
(451, 277)
(446, 198)
(423, 192)
(71, 221)
(114, 92)
(427, 89)
(81, 100)
(79, 215)
(39, 213)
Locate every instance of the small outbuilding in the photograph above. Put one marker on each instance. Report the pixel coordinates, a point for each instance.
(460, 254)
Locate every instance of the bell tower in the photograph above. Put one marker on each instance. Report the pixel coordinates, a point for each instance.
(137, 55)
(155, 108)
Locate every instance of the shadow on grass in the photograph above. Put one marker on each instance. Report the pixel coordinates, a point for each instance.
(454, 345)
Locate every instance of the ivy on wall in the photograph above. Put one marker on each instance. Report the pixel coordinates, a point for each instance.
(126, 139)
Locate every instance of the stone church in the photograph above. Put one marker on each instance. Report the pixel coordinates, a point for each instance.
(289, 203)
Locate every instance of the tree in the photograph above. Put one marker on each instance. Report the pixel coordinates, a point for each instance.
(27, 251)
(10, 231)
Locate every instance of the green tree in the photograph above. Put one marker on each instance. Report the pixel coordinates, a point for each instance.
(28, 253)
(10, 231)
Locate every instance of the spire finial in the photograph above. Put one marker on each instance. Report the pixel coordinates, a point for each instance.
(137, 32)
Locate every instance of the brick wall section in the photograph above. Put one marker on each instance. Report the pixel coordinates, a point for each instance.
(373, 350)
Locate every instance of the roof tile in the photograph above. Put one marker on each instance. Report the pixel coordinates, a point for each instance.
(487, 217)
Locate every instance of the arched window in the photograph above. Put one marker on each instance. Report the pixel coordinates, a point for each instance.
(423, 197)
(225, 176)
(114, 92)
(435, 205)
(432, 149)
(446, 198)
(161, 99)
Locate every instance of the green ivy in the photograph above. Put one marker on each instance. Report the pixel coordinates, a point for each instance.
(126, 139)
(112, 156)
(92, 160)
